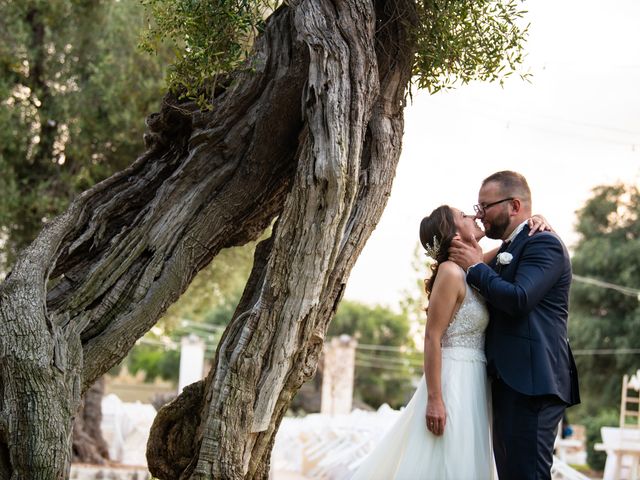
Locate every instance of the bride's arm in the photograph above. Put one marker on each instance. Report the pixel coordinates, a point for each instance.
(490, 254)
(537, 223)
(447, 289)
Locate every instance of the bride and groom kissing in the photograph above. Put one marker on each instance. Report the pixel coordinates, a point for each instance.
(498, 369)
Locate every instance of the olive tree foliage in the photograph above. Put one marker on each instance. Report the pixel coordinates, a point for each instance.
(210, 38)
(454, 41)
(307, 133)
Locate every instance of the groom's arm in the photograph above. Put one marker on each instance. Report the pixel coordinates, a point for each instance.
(540, 266)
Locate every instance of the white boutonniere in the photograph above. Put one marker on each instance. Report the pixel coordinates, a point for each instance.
(504, 258)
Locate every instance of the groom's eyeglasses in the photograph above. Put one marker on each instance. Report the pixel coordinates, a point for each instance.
(481, 209)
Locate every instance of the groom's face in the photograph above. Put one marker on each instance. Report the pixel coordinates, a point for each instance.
(495, 218)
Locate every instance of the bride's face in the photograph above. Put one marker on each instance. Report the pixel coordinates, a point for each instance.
(466, 225)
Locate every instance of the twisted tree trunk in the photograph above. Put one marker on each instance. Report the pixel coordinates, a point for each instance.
(310, 134)
(353, 102)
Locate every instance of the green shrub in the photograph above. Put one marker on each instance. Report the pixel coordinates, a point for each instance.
(606, 418)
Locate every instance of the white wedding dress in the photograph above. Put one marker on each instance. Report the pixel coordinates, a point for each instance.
(408, 451)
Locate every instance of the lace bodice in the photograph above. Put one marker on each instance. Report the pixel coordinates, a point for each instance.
(468, 324)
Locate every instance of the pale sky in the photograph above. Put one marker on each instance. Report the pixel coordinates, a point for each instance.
(575, 126)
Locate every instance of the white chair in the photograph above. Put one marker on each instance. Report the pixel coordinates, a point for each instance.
(623, 453)
(563, 446)
(630, 402)
(561, 470)
(623, 444)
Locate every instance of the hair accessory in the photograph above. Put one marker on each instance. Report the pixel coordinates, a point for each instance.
(433, 251)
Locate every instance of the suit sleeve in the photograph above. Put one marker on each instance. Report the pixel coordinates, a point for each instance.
(539, 267)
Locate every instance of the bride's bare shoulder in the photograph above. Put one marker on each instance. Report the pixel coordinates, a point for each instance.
(450, 281)
(451, 268)
(451, 273)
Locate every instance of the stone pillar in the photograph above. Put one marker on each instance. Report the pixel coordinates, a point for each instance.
(191, 361)
(337, 375)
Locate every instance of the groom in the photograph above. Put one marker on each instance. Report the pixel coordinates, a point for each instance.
(526, 287)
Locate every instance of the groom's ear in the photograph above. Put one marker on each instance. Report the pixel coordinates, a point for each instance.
(516, 206)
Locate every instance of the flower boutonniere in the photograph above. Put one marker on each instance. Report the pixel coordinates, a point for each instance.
(504, 258)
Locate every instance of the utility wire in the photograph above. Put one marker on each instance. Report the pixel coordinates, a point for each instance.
(202, 326)
(156, 343)
(545, 116)
(379, 366)
(593, 351)
(608, 351)
(632, 292)
(190, 326)
(388, 348)
(397, 361)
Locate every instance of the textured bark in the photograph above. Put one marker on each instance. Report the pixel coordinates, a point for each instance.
(310, 134)
(100, 275)
(88, 444)
(353, 102)
(40, 369)
(173, 431)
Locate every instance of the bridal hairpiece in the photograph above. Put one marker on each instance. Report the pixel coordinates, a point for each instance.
(433, 251)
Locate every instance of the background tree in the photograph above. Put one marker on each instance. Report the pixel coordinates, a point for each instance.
(204, 310)
(70, 108)
(307, 131)
(383, 375)
(80, 98)
(70, 105)
(604, 318)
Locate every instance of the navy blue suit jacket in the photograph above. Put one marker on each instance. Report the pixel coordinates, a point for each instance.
(527, 345)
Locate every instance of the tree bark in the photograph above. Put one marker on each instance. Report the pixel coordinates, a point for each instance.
(353, 102)
(89, 445)
(310, 134)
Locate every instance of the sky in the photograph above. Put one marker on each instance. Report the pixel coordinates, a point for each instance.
(574, 126)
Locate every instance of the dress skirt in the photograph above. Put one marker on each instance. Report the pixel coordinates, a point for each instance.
(408, 451)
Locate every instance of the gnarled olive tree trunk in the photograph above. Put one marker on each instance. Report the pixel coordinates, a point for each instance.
(309, 135)
(359, 67)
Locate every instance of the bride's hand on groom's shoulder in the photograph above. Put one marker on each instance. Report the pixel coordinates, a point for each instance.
(465, 253)
(537, 223)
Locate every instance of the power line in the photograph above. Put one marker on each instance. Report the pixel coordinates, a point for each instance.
(397, 361)
(632, 292)
(202, 326)
(576, 66)
(592, 351)
(608, 351)
(388, 348)
(568, 128)
(545, 116)
(380, 366)
(169, 345)
(397, 368)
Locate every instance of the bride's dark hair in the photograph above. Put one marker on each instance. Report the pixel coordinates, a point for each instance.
(440, 225)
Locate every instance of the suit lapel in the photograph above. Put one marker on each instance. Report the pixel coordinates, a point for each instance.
(513, 248)
(524, 233)
(494, 262)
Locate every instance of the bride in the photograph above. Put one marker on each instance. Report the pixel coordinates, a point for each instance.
(444, 431)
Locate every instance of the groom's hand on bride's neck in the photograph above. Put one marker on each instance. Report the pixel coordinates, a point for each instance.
(465, 253)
